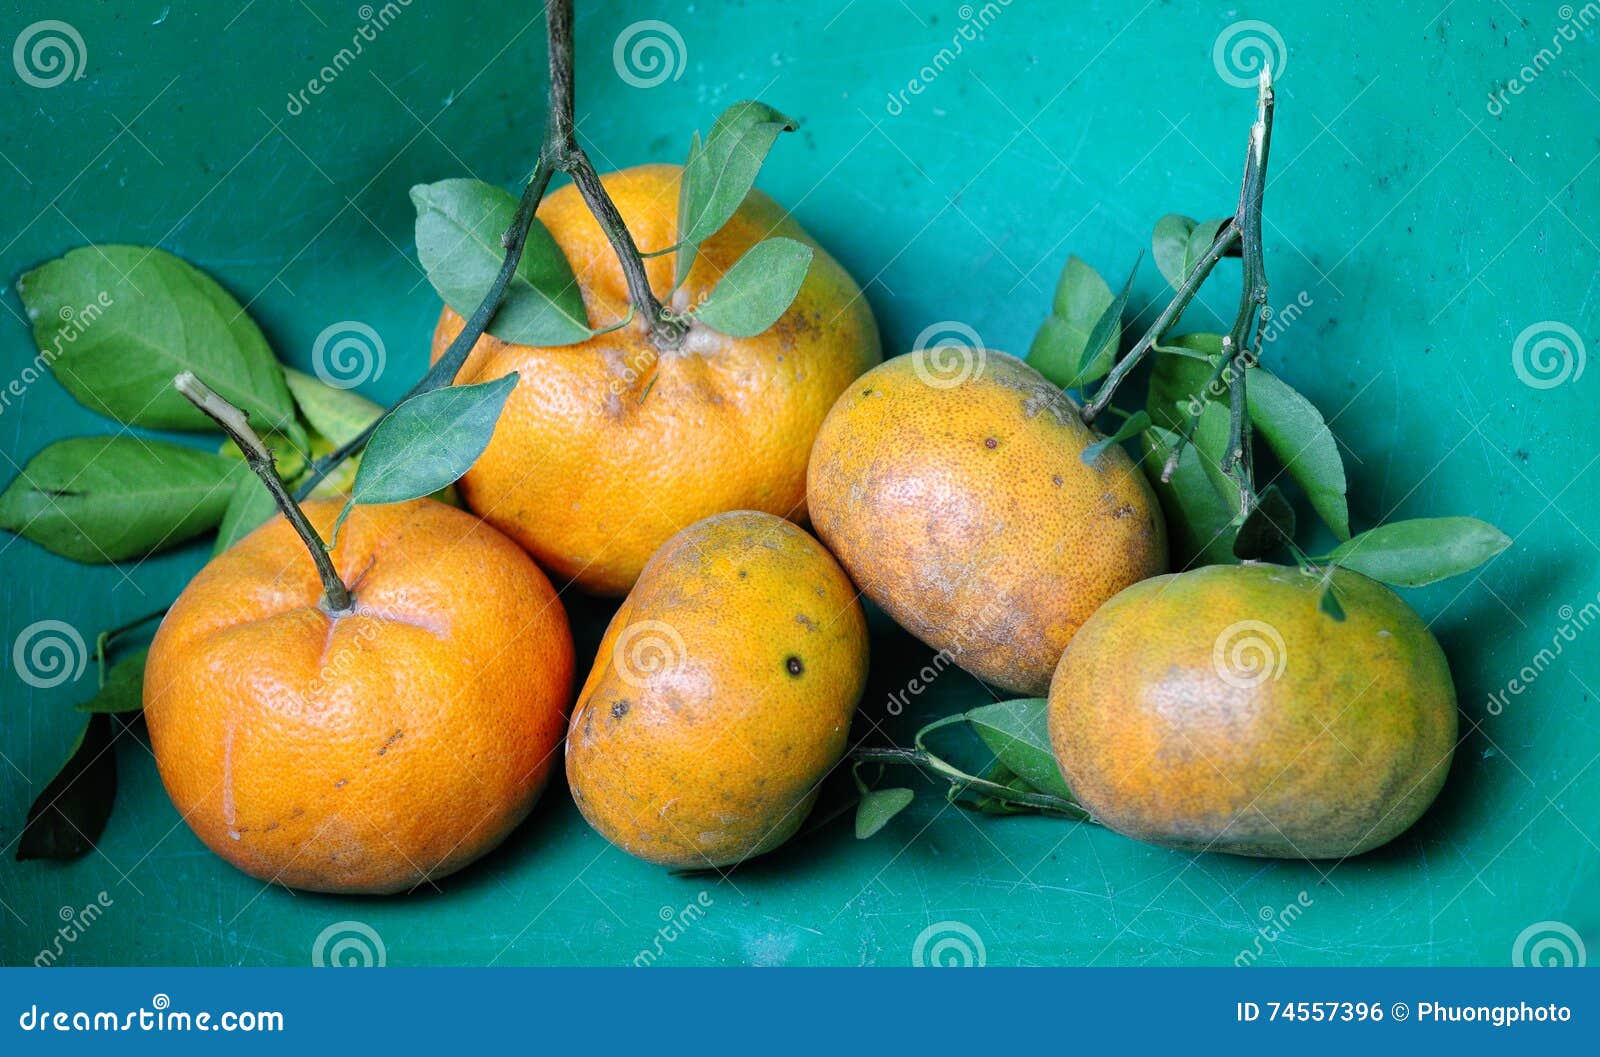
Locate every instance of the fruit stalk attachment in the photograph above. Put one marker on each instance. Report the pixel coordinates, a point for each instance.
(560, 152)
(1241, 346)
(259, 458)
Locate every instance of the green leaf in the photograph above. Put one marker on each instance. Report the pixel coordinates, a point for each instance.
(105, 499)
(1131, 426)
(1107, 330)
(1421, 551)
(1199, 518)
(877, 807)
(722, 171)
(124, 689)
(429, 441)
(116, 323)
(71, 813)
(1059, 349)
(1179, 243)
(249, 507)
(1295, 431)
(1329, 603)
(758, 289)
(1268, 527)
(685, 258)
(340, 415)
(1180, 370)
(459, 224)
(1018, 732)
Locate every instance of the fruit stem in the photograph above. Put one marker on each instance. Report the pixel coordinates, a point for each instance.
(1239, 351)
(927, 762)
(1244, 230)
(443, 372)
(564, 152)
(259, 458)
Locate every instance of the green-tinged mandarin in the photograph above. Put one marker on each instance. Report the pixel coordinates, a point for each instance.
(1223, 709)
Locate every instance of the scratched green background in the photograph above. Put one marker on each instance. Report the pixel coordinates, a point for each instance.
(1427, 231)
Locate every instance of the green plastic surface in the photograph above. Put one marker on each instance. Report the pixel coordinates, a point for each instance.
(1426, 227)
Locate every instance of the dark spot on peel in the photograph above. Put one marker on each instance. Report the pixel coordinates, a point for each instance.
(396, 736)
(619, 709)
(743, 574)
(1057, 481)
(341, 783)
(805, 622)
(991, 443)
(794, 666)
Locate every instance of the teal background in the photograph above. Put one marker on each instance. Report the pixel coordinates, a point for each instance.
(1426, 231)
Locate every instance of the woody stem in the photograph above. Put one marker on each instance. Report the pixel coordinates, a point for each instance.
(259, 458)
